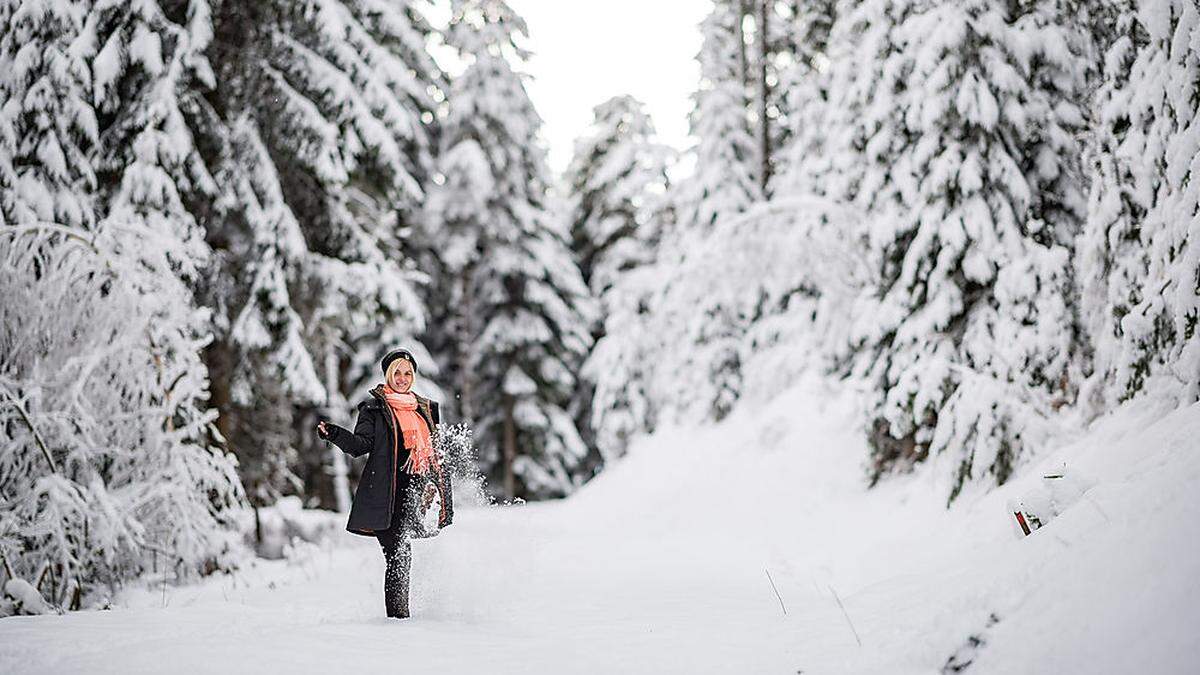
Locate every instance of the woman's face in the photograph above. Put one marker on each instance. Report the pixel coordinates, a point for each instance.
(402, 377)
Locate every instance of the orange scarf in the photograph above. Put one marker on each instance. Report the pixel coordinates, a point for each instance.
(416, 431)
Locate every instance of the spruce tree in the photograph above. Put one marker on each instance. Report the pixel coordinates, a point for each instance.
(108, 455)
(321, 139)
(973, 330)
(725, 183)
(616, 181)
(1140, 254)
(517, 316)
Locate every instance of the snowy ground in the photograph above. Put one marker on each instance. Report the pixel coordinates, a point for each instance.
(661, 566)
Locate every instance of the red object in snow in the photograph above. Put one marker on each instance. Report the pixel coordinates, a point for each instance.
(1021, 521)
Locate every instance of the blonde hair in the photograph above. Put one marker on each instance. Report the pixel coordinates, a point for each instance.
(391, 369)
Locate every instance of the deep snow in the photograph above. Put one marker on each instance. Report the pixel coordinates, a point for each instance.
(661, 566)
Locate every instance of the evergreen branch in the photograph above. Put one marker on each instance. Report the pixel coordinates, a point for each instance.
(46, 226)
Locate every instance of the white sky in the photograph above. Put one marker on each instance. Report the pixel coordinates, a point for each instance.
(586, 51)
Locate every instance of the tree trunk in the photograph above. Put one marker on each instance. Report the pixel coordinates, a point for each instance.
(216, 359)
(333, 401)
(764, 53)
(463, 339)
(510, 448)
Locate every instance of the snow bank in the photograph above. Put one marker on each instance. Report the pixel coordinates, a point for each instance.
(1109, 585)
(287, 522)
(25, 598)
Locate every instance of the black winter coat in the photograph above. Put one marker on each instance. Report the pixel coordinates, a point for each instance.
(382, 478)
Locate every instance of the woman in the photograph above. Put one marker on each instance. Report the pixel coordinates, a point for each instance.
(402, 475)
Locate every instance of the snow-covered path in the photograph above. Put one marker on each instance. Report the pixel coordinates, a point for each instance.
(660, 566)
(508, 592)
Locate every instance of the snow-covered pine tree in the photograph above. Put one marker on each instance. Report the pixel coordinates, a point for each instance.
(725, 182)
(402, 29)
(323, 141)
(260, 361)
(626, 364)
(1139, 257)
(148, 68)
(617, 182)
(519, 315)
(108, 462)
(615, 179)
(973, 331)
(621, 367)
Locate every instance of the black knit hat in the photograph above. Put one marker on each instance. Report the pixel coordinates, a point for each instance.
(398, 354)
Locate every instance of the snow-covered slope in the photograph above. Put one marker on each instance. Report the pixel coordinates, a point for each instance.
(684, 557)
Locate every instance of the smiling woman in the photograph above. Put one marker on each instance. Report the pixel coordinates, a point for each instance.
(403, 473)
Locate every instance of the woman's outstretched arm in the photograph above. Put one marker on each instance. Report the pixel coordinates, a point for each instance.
(356, 443)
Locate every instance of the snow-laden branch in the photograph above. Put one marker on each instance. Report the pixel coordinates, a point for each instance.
(16, 403)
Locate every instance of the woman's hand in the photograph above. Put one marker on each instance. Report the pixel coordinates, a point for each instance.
(323, 430)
